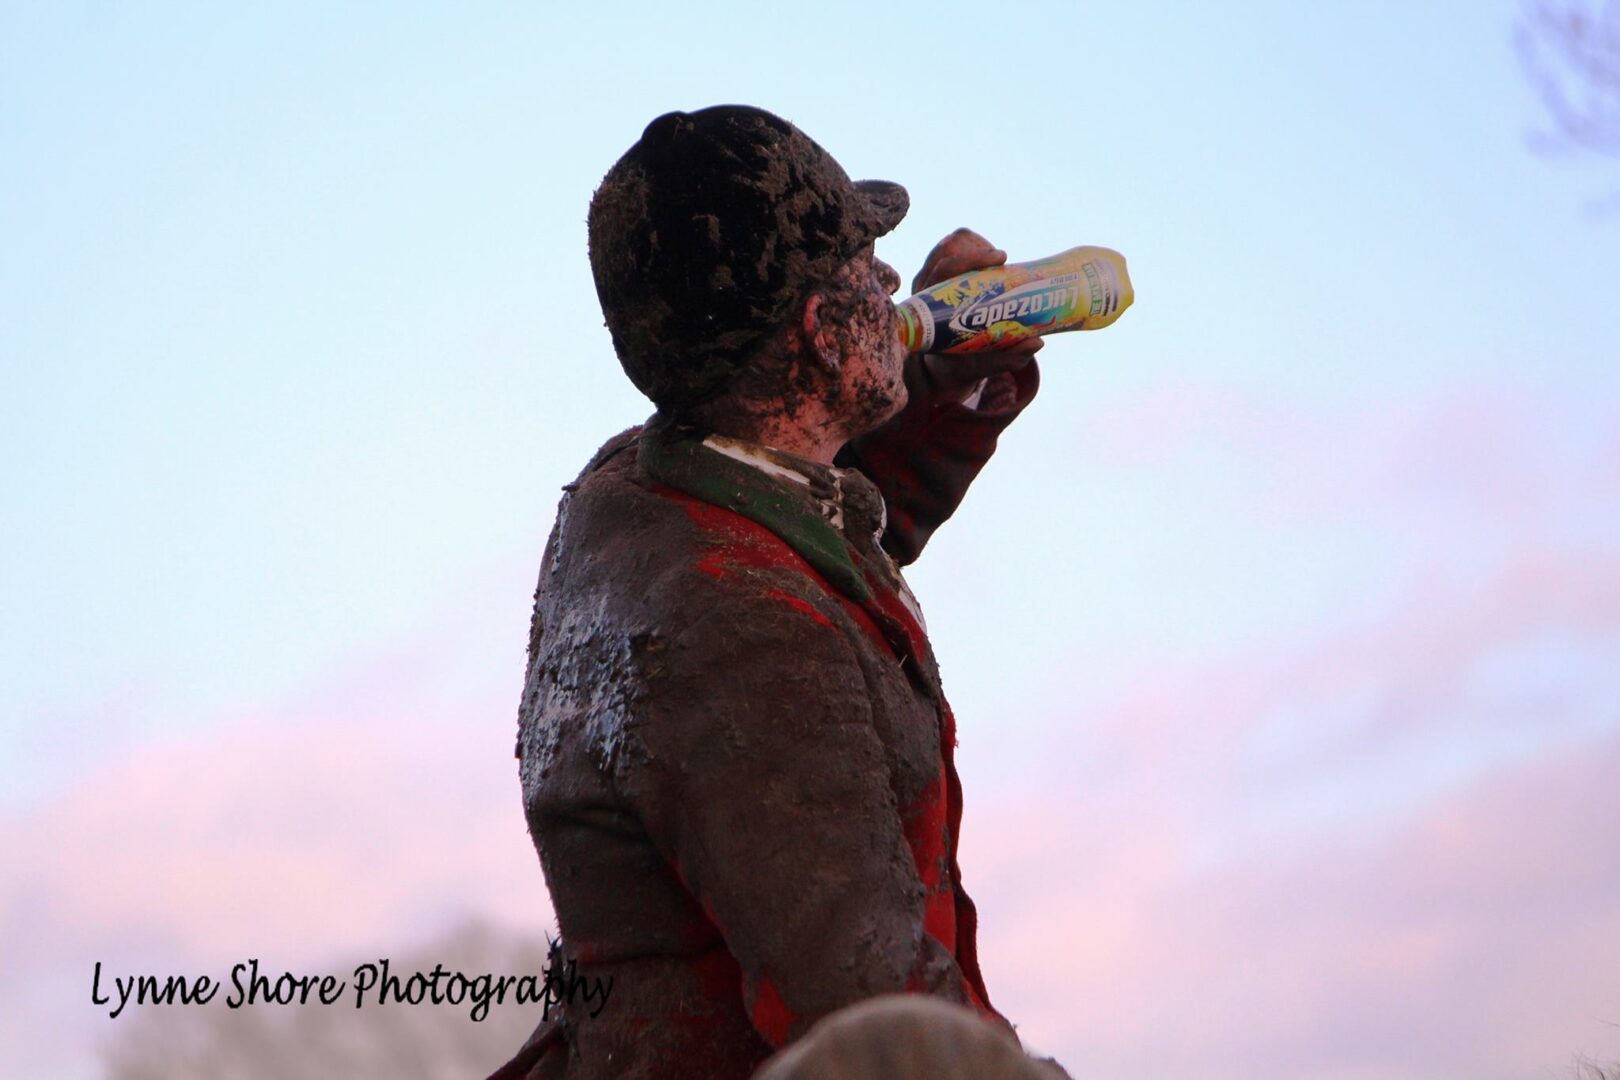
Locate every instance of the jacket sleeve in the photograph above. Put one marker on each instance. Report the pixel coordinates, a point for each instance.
(756, 770)
(923, 459)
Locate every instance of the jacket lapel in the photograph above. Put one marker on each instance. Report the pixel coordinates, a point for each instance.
(681, 461)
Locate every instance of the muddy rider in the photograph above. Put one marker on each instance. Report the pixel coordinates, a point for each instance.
(735, 752)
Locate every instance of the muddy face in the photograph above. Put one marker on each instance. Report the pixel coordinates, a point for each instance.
(861, 319)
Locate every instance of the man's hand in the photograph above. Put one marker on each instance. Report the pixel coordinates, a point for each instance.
(955, 378)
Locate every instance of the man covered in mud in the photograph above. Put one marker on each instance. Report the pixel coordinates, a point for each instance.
(735, 753)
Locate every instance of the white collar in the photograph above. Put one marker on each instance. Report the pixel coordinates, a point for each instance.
(798, 470)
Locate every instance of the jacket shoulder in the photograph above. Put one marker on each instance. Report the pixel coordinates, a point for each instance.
(650, 556)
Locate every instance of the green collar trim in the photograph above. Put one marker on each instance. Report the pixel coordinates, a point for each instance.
(684, 463)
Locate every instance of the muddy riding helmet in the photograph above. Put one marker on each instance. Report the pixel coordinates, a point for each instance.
(709, 232)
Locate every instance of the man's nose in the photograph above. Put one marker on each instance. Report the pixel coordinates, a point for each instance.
(888, 277)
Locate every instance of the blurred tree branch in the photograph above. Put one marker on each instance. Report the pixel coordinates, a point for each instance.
(1571, 53)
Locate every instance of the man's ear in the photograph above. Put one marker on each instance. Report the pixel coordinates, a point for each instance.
(819, 346)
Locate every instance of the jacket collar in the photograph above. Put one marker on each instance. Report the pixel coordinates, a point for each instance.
(677, 457)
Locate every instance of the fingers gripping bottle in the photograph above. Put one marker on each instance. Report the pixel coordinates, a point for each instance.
(1084, 288)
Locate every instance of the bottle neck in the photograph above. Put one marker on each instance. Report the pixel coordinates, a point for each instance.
(909, 326)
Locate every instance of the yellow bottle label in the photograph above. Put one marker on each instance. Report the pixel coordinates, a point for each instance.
(1084, 288)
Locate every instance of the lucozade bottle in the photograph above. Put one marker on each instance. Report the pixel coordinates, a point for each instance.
(1084, 288)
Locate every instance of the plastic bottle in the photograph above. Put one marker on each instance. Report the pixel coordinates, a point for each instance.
(1084, 288)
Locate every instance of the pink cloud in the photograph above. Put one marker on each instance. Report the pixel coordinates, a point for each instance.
(1175, 418)
(1405, 674)
(1477, 938)
(1502, 453)
(1606, 470)
(1248, 879)
(1172, 916)
(359, 819)
(295, 838)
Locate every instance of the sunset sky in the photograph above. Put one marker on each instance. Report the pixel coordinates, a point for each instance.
(1283, 632)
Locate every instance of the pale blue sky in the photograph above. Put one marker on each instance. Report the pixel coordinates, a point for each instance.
(299, 323)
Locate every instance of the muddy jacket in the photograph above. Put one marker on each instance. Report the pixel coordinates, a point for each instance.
(736, 757)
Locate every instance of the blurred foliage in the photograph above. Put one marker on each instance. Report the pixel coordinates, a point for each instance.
(304, 1042)
(1571, 53)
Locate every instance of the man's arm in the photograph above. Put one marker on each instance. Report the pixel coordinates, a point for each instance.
(758, 774)
(924, 459)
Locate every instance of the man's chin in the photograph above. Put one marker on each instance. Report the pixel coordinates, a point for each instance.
(879, 410)
(902, 396)
(897, 404)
